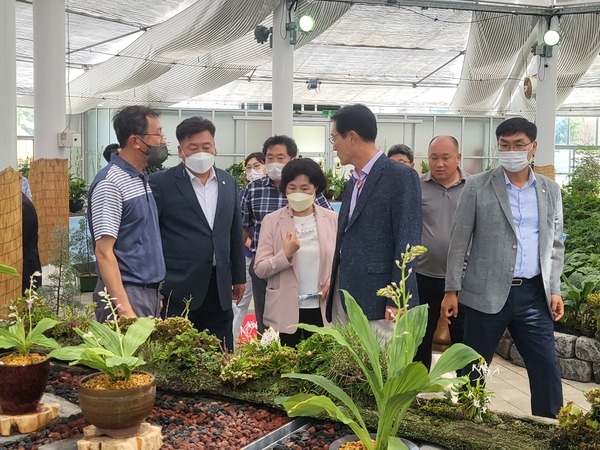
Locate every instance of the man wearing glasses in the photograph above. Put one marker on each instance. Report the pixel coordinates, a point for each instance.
(513, 218)
(123, 218)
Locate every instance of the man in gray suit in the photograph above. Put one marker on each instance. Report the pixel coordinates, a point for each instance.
(513, 218)
(379, 216)
(201, 231)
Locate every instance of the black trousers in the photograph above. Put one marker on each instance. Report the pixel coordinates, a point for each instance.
(311, 316)
(431, 292)
(210, 315)
(259, 291)
(528, 319)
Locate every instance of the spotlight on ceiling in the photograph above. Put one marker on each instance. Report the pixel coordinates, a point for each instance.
(306, 24)
(552, 37)
(262, 33)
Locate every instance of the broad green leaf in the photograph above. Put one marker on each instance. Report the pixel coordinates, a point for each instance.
(42, 326)
(453, 359)
(108, 338)
(129, 361)
(137, 333)
(312, 405)
(8, 270)
(366, 335)
(8, 340)
(44, 341)
(395, 443)
(409, 331)
(332, 389)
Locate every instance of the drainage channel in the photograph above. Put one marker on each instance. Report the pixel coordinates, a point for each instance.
(274, 437)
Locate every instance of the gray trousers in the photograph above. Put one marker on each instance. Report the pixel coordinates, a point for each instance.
(144, 301)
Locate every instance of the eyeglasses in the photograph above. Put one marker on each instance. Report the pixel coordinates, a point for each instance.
(161, 134)
(333, 138)
(519, 147)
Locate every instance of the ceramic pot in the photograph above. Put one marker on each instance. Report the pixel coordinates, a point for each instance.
(335, 445)
(22, 387)
(75, 206)
(117, 413)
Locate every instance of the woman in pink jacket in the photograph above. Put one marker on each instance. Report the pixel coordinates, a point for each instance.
(295, 253)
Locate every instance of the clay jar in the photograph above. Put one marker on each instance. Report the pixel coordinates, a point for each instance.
(117, 412)
(22, 387)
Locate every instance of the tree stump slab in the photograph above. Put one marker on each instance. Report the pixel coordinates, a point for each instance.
(26, 423)
(149, 437)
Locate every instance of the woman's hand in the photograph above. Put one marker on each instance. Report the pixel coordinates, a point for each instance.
(291, 244)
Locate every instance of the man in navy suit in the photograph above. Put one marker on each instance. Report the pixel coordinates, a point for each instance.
(201, 232)
(379, 216)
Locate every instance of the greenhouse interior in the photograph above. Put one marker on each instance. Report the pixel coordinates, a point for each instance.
(424, 177)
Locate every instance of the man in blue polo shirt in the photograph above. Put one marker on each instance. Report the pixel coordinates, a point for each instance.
(123, 218)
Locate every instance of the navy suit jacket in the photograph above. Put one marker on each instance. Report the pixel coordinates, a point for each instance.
(189, 243)
(386, 218)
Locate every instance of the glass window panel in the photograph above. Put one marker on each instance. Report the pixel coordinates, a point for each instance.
(24, 121)
(561, 131)
(582, 130)
(562, 161)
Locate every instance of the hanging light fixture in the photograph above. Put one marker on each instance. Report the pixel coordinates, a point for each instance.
(552, 37)
(306, 24)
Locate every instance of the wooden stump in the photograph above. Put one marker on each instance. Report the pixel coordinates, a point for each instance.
(148, 438)
(26, 423)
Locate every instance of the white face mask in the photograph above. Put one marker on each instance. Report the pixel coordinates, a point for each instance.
(200, 162)
(254, 174)
(514, 161)
(299, 201)
(274, 171)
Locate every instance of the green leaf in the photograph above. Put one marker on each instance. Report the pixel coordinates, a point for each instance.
(7, 339)
(313, 405)
(8, 270)
(332, 389)
(454, 358)
(409, 332)
(137, 333)
(108, 338)
(44, 341)
(42, 326)
(395, 443)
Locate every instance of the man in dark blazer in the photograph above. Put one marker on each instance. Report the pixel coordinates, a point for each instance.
(201, 231)
(380, 215)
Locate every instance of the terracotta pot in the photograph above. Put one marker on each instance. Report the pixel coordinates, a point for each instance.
(22, 387)
(335, 445)
(116, 413)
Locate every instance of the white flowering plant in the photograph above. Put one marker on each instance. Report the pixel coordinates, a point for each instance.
(21, 335)
(106, 348)
(395, 389)
(473, 398)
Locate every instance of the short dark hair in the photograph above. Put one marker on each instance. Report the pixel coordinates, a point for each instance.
(401, 149)
(303, 166)
(131, 120)
(452, 139)
(109, 150)
(194, 125)
(357, 118)
(281, 139)
(258, 155)
(516, 125)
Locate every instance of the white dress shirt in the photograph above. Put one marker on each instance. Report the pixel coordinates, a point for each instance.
(207, 194)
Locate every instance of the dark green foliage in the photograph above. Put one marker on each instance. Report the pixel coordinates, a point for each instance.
(580, 279)
(335, 185)
(78, 188)
(578, 430)
(238, 171)
(581, 208)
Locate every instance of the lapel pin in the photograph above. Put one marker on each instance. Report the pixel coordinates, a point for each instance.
(544, 191)
(223, 182)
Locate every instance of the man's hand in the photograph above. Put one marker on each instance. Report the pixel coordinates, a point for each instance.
(237, 292)
(557, 306)
(126, 312)
(390, 313)
(449, 306)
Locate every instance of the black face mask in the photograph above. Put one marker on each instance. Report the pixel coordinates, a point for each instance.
(155, 155)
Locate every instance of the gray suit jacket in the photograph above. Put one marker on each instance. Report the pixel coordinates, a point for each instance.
(484, 217)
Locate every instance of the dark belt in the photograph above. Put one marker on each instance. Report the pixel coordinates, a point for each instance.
(157, 286)
(516, 282)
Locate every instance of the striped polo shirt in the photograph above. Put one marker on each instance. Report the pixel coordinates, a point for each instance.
(121, 205)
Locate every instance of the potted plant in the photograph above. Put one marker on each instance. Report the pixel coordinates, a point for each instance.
(394, 390)
(82, 256)
(118, 398)
(335, 186)
(23, 373)
(78, 189)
